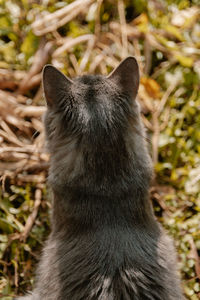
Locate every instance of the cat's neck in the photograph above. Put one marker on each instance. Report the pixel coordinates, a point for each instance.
(93, 185)
(79, 211)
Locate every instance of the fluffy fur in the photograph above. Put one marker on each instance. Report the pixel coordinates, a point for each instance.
(105, 242)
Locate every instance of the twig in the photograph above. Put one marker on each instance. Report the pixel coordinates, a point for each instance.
(98, 59)
(87, 54)
(34, 82)
(10, 138)
(32, 217)
(122, 18)
(155, 137)
(60, 17)
(30, 111)
(165, 119)
(69, 43)
(132, 32)
(195, 256)
(15, 263)
(40, 59)
(75, 64)
(24, 148)
(147, 54)
(155, 120)
(138, 56)
(30, 178)
(147, 123)
(10, 79)
(166, 96)
(98, 19)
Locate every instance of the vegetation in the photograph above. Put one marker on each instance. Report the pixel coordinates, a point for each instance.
(93, 36)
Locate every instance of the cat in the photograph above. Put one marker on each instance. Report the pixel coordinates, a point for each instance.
(105, 242)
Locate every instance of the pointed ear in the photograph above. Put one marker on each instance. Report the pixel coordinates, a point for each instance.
(55, 84)
(126, 76)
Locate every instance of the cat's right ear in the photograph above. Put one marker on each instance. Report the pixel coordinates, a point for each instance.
(126, 76)
(55, 84)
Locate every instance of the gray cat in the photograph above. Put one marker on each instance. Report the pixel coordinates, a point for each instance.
(105, 242)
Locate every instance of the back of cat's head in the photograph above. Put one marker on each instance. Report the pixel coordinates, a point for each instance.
(94, 107)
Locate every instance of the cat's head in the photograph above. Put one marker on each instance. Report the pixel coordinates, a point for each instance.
(98, 108)
(93, 126)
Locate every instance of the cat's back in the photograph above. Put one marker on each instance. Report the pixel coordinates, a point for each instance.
(114, 264)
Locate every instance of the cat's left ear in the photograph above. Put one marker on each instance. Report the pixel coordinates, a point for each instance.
(126, 76)
(55, 84)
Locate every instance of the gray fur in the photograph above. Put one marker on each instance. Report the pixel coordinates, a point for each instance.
(105, 242)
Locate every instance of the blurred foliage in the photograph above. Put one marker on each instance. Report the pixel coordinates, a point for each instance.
(176, 60)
